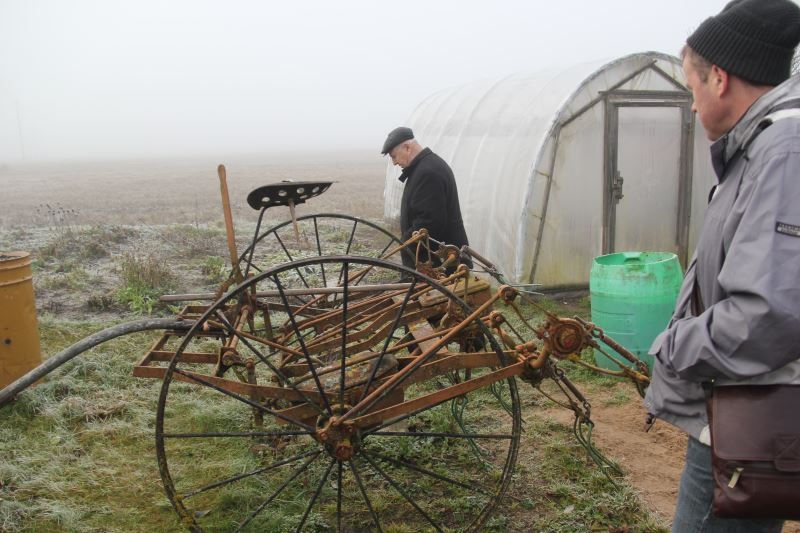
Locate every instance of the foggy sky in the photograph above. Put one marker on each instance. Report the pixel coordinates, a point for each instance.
(86, 79)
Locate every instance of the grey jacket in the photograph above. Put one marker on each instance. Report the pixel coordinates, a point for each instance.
(745, 323)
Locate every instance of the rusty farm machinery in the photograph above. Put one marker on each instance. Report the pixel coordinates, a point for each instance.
(348, 390)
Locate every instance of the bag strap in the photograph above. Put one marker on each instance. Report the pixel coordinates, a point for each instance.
(789, 109)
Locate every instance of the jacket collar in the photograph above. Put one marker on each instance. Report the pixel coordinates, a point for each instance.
(410, 168)
(724, 149)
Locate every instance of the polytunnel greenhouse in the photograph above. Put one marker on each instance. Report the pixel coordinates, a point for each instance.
(557, 167)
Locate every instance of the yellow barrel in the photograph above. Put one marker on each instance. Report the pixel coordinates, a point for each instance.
(19, 334)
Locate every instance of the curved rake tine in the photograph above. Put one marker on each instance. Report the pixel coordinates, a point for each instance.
(400, 311)
(397, 379)
(198, 378)
(445, 395)
(244, 340)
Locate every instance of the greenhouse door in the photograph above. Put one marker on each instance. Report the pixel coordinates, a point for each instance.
(647, 172)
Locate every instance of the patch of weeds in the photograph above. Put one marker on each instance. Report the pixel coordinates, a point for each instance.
(37, 264)
(9, 240)
(108, 235)
(13, 514)
(544, 304)
(94, 250)
(73, 279)
(621, 396)
(101, 302)
(60, 247)
(71, 245)
(51, 306)
(140, 300)
(144, 278)
(56, 216)
(147, 270)
(215, 269)
(193, 241)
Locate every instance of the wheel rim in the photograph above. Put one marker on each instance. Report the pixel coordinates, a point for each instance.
(233, 458)
(316, 235)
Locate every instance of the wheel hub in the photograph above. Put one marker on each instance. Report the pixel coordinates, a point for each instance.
(341, 440)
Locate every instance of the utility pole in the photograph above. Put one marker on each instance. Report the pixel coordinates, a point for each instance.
(19, 131)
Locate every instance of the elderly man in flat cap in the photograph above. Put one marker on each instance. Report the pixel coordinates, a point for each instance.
(430, 196)
(737, 318)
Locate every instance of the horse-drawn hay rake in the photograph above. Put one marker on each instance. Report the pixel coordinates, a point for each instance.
(349, 392)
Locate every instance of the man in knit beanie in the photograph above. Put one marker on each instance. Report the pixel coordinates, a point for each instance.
(737, 318)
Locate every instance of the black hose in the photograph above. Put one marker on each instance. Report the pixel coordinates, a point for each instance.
(8, 393)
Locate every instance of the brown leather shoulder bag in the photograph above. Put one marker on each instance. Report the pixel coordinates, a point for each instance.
(755, 445)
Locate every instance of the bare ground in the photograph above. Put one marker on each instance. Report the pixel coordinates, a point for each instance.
(39, 199)
(652, 461)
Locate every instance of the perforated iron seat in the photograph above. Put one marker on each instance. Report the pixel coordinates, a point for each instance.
(286, 193)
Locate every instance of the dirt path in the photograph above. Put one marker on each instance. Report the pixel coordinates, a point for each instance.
(652, 461)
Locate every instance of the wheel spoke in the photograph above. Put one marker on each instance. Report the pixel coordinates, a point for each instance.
(203, 435)
(339, 483)
(316, 494)
(256, 424)
(303, 348)
(248, 401)
(402, 492)
(400, 312)
(313, 454)
(319, 251)
(343, 358)
(431, 473)
(251, 249)
(364, 495)
(297, 471)
(244, 340)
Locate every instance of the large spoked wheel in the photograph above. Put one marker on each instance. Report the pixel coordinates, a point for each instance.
(317, 235)
(376, 405)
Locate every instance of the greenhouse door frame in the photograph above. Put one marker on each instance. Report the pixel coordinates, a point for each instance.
(612, 187)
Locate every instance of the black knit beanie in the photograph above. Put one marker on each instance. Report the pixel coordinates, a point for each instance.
(752, 39)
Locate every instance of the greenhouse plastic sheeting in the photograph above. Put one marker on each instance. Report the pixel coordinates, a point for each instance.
(506, 138)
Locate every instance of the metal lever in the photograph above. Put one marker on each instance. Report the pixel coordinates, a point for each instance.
(226, 209)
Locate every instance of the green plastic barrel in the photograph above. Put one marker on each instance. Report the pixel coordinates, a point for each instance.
(632, 299)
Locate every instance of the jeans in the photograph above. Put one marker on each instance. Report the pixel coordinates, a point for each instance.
(695, 493)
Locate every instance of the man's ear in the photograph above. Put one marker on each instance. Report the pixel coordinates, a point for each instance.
(720, 80)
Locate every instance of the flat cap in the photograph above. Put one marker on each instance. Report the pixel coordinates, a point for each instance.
(397, 136)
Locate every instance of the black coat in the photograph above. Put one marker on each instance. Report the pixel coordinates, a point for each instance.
(430, 200)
